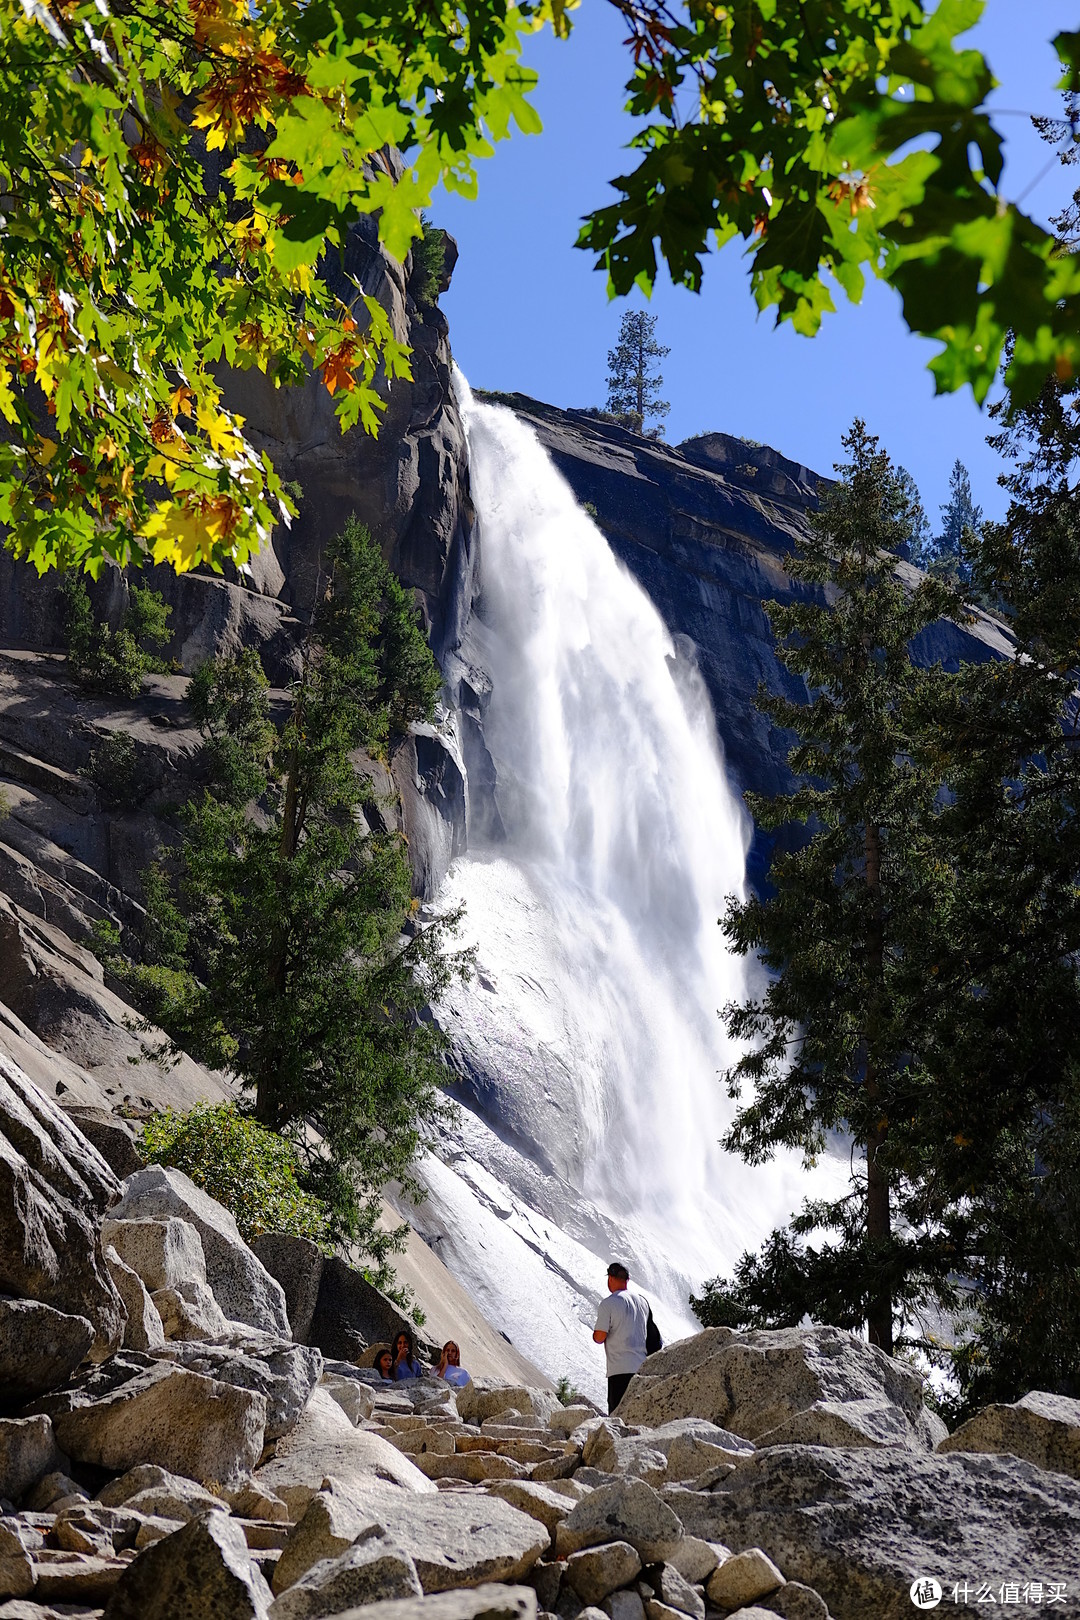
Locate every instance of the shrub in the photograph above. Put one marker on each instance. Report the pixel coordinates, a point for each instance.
(428, 261)
(251, 1170)
(113, 770)
(566, 1391)
(114, 661)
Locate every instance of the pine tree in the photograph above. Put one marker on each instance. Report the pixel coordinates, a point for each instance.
(293, 953)
(961, 521)
(913, 547)
(924, 945)
(828, 1040)
(634, 384)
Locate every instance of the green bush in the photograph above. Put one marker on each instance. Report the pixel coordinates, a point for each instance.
(428, 261)
(252, 1171)
(114, 661)
(113, 770)
(566, 1391)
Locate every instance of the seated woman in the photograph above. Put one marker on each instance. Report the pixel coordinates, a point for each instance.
(384, 1363)
(406, 1361)
(450, 1366)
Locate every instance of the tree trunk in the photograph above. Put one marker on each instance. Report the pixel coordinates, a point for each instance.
(878, 1213)
(267, 1089)
(641, 380)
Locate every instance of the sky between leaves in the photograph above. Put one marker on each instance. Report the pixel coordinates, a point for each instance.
(528, 312)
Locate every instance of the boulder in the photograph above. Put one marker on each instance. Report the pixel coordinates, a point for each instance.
(474, 1466)
(819, 1385)
(331, 1522)
(624, 1606)
(596, 1572)
(680, 1450)
(324, 1444)
(242, 1285)
(626, 1510)
(202, 1572)
(491, 1601)
(794, 1601)
(39, 1348)
(297, 1263)
(164, 1253)
(28, 1451)
(190, 1312)
(187, 1423)
(356, 1400)
(350, 1314)
(674, 1590)
(565, 1419)
(16, 1566)
(372, 1569)
(695, 1559)
(53, 1185)
(143, 1329)
(458, 1539)
(548, 1507)
(285, 1373)
(859, 1528)
(112, 1136)
(52, 1492)
(1042, 1428)
(485, 1398)
(742, 1579)
(155, 1492)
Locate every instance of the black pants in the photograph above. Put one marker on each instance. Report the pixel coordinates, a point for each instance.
(616, 1389)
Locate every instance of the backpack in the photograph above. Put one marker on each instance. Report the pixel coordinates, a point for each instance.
(653, 1341)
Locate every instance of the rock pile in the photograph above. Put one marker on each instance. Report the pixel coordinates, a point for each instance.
(169, 1451)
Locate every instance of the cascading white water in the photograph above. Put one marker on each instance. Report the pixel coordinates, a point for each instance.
(595, 904)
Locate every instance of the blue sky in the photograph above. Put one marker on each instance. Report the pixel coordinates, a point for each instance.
(528, 312)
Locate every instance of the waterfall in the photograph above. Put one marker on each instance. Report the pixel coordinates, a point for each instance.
(604, 841)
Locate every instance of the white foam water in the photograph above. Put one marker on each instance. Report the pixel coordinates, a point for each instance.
(594, 1018)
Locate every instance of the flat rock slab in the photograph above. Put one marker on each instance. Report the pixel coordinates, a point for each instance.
(324, 1444)
(492, 1601)
(860, 1526)
(459, 1539)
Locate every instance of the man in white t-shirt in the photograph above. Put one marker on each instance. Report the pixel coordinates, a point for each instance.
(621, 1325)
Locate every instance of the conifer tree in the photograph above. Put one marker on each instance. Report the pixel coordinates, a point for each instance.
(634, 383)
(290, 949)
(829, 1046)
(949, 553)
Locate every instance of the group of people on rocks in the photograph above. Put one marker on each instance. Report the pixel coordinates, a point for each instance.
(400, 1360)
(624, 1326)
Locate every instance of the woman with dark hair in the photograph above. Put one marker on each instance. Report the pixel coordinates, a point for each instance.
(384, 1363)
(450, 1366)
(406, 1361)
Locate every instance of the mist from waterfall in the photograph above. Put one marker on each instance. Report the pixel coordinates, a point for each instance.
(597, 870)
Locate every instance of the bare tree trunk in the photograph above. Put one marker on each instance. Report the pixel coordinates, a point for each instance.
(267, 1090)
(878, 1212)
